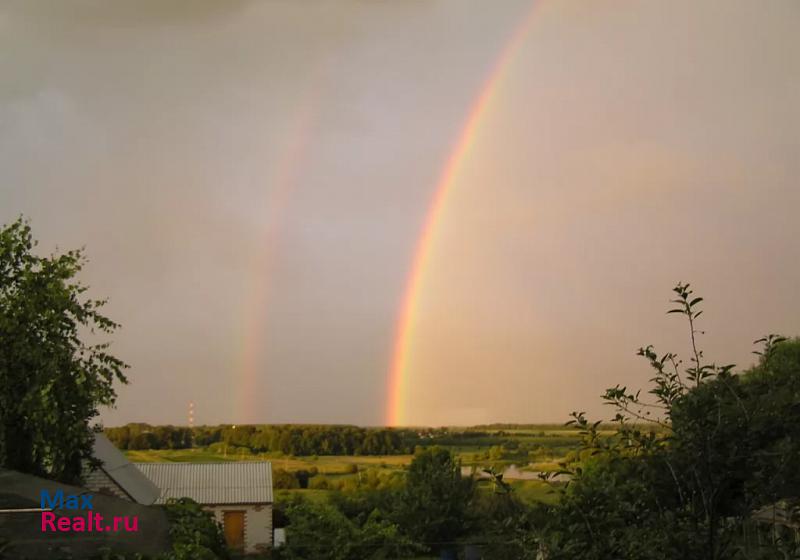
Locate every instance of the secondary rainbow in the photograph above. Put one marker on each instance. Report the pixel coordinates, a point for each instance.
(398, 374)
(285, 181)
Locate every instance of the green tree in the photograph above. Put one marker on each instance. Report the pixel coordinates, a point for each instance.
(434, 505)
(195, 534)
(284, 480)
(687, 470)
(51, 380)
(318, 531)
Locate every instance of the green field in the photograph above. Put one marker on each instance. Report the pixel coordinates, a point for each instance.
(325, 464)
(529, 449)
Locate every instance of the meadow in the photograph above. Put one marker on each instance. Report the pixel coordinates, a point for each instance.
(527, 450)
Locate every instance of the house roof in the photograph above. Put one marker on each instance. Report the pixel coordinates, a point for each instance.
(247, 482)
(123, 472)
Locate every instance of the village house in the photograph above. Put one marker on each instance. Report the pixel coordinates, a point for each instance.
(238, 493)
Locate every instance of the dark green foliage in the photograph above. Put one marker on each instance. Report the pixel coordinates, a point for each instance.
(613, 511)
(432, 511)
(720, 448)
(302, 476)
(360, 504)
(504, 527)
(297, 440)
(195, 533)
(51, 380)
(144, 436)
(284, 480)
(310, 440)
(381, 538)
(434, 504)
(319, 531)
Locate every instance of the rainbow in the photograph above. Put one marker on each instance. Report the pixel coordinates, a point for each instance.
(285, 181)
(398, 374)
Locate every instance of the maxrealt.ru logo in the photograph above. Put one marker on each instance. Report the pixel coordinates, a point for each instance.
(91, 522)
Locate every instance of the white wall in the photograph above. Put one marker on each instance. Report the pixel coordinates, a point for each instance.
(257, 524)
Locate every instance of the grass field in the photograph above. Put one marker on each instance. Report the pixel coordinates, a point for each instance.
(325, 464)
(529, 450)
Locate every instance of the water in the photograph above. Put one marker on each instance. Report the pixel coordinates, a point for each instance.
(512, 472)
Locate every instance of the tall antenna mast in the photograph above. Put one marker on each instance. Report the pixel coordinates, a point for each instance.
(191, 424)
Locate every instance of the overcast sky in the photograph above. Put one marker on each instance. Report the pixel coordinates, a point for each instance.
(249, 180)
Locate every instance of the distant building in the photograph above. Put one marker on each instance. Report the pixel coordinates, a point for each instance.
(116, 476)
(238, 493)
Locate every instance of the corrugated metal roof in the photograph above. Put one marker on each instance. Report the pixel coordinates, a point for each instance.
(123, 472)
(212, 483)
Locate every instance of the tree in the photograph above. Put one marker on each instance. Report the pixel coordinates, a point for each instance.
(195, 534)
(687, 470)
(320, 531)
(433, 506)
(51, 380)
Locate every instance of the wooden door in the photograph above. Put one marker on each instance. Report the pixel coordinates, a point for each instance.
(233, 525)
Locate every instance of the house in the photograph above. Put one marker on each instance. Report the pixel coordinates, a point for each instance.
(238, 493)
(22, 525)
(116, 476)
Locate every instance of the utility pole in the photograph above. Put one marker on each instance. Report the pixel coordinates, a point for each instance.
(191, 424)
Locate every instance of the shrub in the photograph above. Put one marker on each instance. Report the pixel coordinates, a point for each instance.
(284, 480)
(195, 534)
(319, 483)
(217, 447)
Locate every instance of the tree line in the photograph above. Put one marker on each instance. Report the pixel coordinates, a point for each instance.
(304, 440)
(290, 439)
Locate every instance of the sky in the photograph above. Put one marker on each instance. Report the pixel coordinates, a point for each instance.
(251, 181)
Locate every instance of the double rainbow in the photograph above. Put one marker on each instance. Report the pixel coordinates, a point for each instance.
(285, 181)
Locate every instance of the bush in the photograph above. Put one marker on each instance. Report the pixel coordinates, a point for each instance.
(321, 532)
(284, 480)
(195, 533)
(319, 483)
(318, 531)
(302, 477)
(217, 447)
